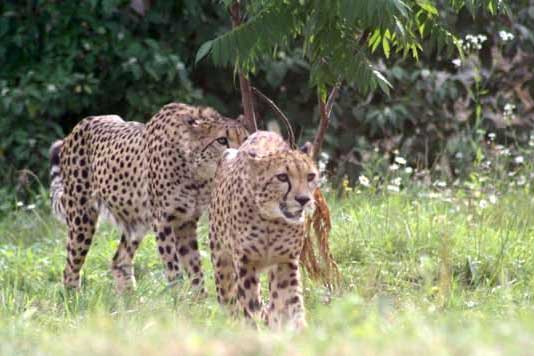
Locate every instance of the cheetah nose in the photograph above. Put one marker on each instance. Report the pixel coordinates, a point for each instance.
(302, 200)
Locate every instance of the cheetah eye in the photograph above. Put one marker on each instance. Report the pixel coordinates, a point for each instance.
(282, 177)
(311, 177)
(223, 141)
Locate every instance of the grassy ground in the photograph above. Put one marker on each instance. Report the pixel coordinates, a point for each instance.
(423, 272)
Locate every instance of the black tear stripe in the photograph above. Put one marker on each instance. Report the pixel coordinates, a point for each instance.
(208, 145)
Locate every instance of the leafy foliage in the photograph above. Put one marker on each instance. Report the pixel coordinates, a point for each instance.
(62, 61)
(338, 37)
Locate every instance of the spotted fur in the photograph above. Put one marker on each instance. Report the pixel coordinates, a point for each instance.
(260, 194)
(157, 175)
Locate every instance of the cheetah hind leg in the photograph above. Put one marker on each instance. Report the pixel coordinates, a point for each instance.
(81, 228)
(122, 266)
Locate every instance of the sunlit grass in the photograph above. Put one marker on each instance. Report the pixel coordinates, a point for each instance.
(431, 273)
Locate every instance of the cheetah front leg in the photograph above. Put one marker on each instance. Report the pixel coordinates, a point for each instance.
(248, 288)
(166, 243)
(285, 297)
(187, 249)
(225, 279)
(223, 269)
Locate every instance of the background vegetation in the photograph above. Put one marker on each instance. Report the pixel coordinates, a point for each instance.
(62, 61)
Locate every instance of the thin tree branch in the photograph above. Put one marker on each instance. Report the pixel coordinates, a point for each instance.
(244, 83)
(280, 114)
(325, 110)
(332, 99)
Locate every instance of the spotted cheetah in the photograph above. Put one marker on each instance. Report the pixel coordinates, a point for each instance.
(156, 175)
(261, 192)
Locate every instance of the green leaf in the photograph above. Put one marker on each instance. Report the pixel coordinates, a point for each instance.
(427, 6)
(383, 83)
(203, 51)
(385, 46)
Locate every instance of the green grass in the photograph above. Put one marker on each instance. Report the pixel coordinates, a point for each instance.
(422, 274)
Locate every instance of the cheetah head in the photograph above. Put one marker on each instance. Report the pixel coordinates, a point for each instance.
(283, 184)
(213, 138)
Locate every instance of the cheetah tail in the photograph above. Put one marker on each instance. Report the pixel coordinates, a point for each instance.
(56, 181)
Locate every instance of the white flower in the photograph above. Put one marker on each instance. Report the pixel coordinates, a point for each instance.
(483, 204)
(457, 62)
(506, 36)
(322, 166)
(519, 160)
(509, 108)
(492, 136)
(440, 184)
(393, 188)
(20, 204)
(459, 155)
(521, 180)
(397, 181)
(120, 36)
(394, 167)
(364, 181)
(508, 114)
(474, 42)
(408, 170)
(501, 150)
(471, 304)
(400, 160)
(51, 88)
(492, 199)
(30, 207)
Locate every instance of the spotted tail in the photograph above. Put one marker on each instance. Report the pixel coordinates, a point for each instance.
(56, 181)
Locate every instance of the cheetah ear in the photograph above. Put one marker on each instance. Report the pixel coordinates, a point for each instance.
(241, 119)
(307, 148)
(252, 159)
(191, 121)
(193, 124)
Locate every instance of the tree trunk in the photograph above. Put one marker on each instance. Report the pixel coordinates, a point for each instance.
(244, 83)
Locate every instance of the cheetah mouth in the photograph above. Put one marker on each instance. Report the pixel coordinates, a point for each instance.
(297, 215)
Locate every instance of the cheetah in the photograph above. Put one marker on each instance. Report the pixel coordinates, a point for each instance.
(157, 175)
(261, 193)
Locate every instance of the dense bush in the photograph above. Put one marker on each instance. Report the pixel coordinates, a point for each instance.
(440, 108)
(61, 61)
